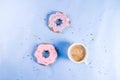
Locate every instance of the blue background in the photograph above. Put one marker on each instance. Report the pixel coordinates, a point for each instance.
(94, 23)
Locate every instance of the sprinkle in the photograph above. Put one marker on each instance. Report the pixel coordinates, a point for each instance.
(82, 39)
(28, 55)
(67, 42)
(39, 38)
(38, 69)
(91, 66)
(105, 50)
(26, 38)
(23, 57)
(45, 19)
(30, 58)
(92, 39)
(69, 69)
(89, 62)
(35, 35)
(91, 34)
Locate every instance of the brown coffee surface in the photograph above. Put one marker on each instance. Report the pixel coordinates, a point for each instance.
(78, 52)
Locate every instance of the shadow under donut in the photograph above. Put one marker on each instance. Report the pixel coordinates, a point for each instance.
(62, 48)
(48, 16)
(33, 52)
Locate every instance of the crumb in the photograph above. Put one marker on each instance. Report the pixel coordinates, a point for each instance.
(92, 39)
(69, 69)
(51, 39)
(100, 19)
(38, 69)
(67, 42)
(90, 23)
(89, 62)
(91, 67)
(105, 73)
(57, 31)
(28, 55)
(30, 58)
(91, 34)
(99, 71)
(35, 35)
(45, 19)
(21, 76)
(82, 39)
(105, 50)
(26, 39)
(23, 57)
(21, 44)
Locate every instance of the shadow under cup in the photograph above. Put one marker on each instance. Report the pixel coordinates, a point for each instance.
(77, 53)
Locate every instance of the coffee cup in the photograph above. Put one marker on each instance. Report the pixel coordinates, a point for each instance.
(77, 53)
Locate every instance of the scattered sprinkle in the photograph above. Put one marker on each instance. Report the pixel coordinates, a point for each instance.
(21, 44)
(91, 67)
(26, 39)
(28, 55)
(92, 39)
(105, 73)
(69, 69)
(51, 39)
(91, 34)
(99, 71)
(30, 58)
(21, 76)
(87, 35)
(89, 62)
(45, 19)
(38, 69)
(23, 57)
(67, 42)
(35, 35)
(82, 39)
(105, 50)
(90, 23)
(100, 19)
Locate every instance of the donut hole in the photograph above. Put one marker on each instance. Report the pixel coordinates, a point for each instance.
(58, 22)
(46, 54)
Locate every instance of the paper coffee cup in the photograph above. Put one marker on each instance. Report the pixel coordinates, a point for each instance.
(77, 53)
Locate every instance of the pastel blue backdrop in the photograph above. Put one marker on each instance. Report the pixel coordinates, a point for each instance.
(94, 23)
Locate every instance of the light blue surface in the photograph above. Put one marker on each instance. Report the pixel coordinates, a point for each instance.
(95, 23)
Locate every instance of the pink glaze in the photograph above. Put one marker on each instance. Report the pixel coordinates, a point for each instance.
(52, 54)
(54, 17)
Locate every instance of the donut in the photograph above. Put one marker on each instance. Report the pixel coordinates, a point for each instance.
(58, 21)
(39, 54)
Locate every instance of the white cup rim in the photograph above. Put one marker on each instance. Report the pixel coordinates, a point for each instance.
(84, 59)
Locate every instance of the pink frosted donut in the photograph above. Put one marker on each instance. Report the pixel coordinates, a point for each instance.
(58, 21)
(52, 54)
